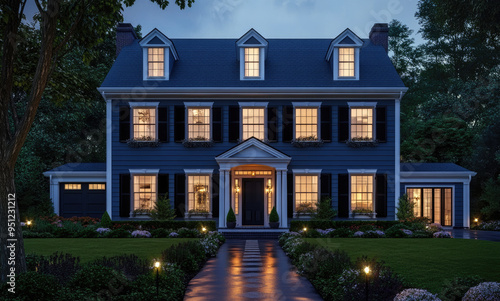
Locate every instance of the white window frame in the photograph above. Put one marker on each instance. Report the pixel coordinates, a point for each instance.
(363, 172)
(306, 105)
(166, 62)
(198, 172)
(336, 63)
(253, 105)
(143, 105)
(141, 172)
(305, 172)
(198, 105)
(364, 105)
(262, 56)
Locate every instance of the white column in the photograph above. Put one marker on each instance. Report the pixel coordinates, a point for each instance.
(222, 210)
(227, 195)
(109, 165)
(284, 195)
(277, 188)
(397, 163)
(54, 194)
(466, 199)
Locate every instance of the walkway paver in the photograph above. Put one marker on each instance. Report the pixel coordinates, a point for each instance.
(250, 270)
(476, 234)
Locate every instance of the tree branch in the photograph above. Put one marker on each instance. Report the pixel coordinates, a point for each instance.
(71, 31)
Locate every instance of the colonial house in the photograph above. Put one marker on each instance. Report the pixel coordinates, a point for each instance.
(255, 123)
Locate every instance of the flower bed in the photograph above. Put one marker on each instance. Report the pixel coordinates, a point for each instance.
(488, 226)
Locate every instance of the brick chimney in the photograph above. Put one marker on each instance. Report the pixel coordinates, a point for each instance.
(379, 35)
(125, 35)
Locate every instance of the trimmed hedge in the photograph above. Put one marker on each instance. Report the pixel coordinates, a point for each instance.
(175, 224)
(297, 225)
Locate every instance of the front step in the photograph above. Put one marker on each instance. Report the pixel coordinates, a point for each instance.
(252, 233)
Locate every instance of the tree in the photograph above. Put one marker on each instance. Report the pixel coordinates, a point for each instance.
(63, 25)
(404, 211)
(162, 209)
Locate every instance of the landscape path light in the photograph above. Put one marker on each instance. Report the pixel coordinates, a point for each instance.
(157, 267)
(367, 272)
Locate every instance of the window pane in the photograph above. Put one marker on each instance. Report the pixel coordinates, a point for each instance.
(156, 62)
(199, 193)
(144, 123)
(362, 124)
(306, 124)
(414, 195)
(346, 62)
(144, 192)
(253, 123)
(306, 192)
(427, 203)
(447, 207)
(199, 124)
(72, 186)
(252, 62)
(437, 205)
(97, 186)
(362, 192)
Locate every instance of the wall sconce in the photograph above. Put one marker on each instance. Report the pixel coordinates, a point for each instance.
(269, 187)
(236, 186)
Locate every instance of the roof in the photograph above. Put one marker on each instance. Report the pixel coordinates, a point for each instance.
(430, 167)
(289, 63)
(72, 167)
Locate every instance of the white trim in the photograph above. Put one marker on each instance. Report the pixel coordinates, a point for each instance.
(109, 156)
(134, 105)
(335, 68)
(253, 104)
(278, 156)
(167, 42)
(362, 171)
(249, 34)
(198, 171)
(262, 65)
(199, 104)
(438, 174)
(144, 171)
(145, 63)
(74, 174)
(466, 204)
(306, 104)
(306, 171)
(397, 155)
(335, 42)
(374, 118)
(362, 104)
(434, 180)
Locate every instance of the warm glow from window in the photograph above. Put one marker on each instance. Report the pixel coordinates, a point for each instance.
(362, 124)
(362, 192)
(144, 120)
(252, 64)
(156, 62)
(199, 124)
(253, 123)
(199, 193)
(433, 203)
(306, 123)
(97, 186)
(72, 186)
(346, 62)
(144, 192)
(415, 196)
(306, 191)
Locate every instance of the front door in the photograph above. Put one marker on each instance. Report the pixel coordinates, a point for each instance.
(253, 202)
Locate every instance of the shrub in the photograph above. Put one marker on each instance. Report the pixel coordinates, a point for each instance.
(64, 233)
(188, 233)
(398, 231)
(274, 217)
(455, 289)
(342, 232)
(321, 263)
(162, 209)
(404, 210)
(32, 262)
(118, 233)
(31, 234)
(171, 285)
(32, 286)
(416, 223)
(100, 280)
(415, 294)
(384, 284)
(160, 233)
(130, 265)
(60, 265)
(188, 256)
(106, 220)
(88, 232)
(297, 225)
(486, 291)
(311, 233)
(324, 210)
(141, 233)
(421, 234)
(43, 226)
(442, 234)
(231, 218)
(374, 234)
(170, 224)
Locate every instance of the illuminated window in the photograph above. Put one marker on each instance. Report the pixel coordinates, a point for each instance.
(72, 186)
(199, 193)
(144, 192)
(346, 62)
(362, 192)
(306, 123)
(362, 124)
(199, 124)
(156, 62)
(432, 203)
(97, 186)
(306, 192)
(252, 62)
(144, 120)
(253, 123)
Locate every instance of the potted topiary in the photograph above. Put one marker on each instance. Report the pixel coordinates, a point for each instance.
(231, 219)
(274, 219)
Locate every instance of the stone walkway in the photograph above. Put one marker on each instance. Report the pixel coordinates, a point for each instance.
(476, 234)
(250, 270)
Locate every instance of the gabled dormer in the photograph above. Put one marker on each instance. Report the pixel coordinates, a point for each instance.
(251, 52)
(158, 56)
(343, 55)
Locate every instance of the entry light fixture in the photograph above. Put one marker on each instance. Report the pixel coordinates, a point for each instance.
(237, 186)
(269, 187)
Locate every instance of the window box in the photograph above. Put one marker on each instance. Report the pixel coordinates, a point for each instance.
(197, 142)
(143, 142)
(141, 213)
(311, 141)
(363, 214)
(193, 213)
(362, 142)
(305, 210)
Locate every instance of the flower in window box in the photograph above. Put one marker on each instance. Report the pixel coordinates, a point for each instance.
(137, 212)
(361, 142)
(198, 141)
(305, 141)
(362, 211)
(305, 209)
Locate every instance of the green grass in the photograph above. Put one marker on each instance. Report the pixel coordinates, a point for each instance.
(425, 263)
(89, 249)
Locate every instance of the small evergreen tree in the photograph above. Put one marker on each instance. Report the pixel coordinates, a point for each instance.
(324, 210)
(405, 208)
(274, 217)
(106, 220)
(231, 218)
(162, 209)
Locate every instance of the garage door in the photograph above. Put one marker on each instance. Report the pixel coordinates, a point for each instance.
(82, 199)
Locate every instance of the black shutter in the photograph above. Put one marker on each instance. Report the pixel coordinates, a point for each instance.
(326, 186)
(179, 124)
(180, 194)
(234, 123)
(381, 195)
(272, 124)
(326, 123)
(217, 124)
(163, 124)
(343, 124)
(289, 188)
(124, 124)
(163, 185)
(381, 117)
(343, 190)
(125, 195)
(287, 123)
(215, 195)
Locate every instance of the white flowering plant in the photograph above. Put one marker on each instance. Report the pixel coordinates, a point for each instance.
(486, 291)
(415, 294)
(141, 233)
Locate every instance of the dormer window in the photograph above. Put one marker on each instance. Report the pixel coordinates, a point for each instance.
(346, 62)
(156, 62)
(251, 52)
(343, 56)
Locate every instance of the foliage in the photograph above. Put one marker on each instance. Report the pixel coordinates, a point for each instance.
(160, 233)
(105, 220)
(485, 291)
(32, 286)
(118, 233)
(398, 231)
(324, 210)
(170, 224)
(129, 264)
(305, 209)
(489, 226)
(491, 200)
(189, 256)
(321, 263)
(362, 211)
(274, 217)
(171, 285)
(404, 210)
(297, 225)
(231, 218)
(162, 209)
(454, 289)
(141, 233)
(60, 265)
(188, 233)
(415, 294)
(98, 280)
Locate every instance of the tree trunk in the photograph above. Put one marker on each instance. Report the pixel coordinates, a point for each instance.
(12, 256)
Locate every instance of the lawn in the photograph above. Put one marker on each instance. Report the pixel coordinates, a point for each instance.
(89, 249)
(425, 263)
